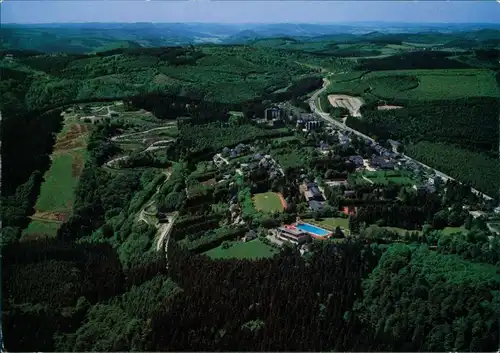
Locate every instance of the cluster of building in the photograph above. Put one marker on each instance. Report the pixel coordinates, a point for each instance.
(263, 161)
(276, 115)
(313, 195)
(239, 150)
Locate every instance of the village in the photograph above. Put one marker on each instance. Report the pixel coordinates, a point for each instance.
(369, 163)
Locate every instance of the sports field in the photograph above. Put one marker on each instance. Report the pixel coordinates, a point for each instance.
(253, 249)
(269, 202)
(55, 202)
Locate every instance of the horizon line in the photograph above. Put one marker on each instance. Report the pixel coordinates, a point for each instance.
(347, 23)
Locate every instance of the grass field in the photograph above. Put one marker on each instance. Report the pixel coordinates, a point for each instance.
(331, 223)
(382, 177)
(268, 202)
(57, 192)
(253, 249)
(417, 84)
(451, 230)
(55, 202)
(38, 227)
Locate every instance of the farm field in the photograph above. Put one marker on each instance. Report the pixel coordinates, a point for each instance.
(57, 192)
(268, 202)
(253, 249)
(418, 84)
(382, 177)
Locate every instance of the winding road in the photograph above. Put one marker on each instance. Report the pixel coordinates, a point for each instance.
(152, 147)
(164, 229)
(316, 108)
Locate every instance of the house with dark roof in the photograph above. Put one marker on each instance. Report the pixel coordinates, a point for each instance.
(424, 188)
(312, 192)
(350, 193)
(381, 163)
(316, 205)
(250, 235)
(241, 148)
(394, 144)
(357, 160)
(323, 146)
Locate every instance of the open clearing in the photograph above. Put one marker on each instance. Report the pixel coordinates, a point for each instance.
(40, 229)
(269, 202)
(382, 177)
(330, 223)
(451, 230)
(253, 249)
(57, 193)
(353, 104)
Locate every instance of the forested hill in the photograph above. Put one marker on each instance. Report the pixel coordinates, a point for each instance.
(413, 300)
(231, 74)
(80, 38)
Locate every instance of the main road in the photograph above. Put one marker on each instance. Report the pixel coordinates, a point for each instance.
(316, 109)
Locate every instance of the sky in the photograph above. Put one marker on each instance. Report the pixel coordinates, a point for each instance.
(42, 11)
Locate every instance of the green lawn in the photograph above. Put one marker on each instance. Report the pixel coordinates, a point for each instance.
(253, 249)
(57, 191)
(330, 223)
(267, 202)
(450, 230)
(383, 177)
(41, 227)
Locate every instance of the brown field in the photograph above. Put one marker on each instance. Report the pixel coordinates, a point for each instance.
(72, 138)
(389, 107)
(77, 164)
(353, 104)
(51, 216)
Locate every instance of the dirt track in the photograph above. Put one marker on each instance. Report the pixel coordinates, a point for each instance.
(389, 107)
(353, 104)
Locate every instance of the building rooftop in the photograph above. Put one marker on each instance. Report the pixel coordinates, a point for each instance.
(292, 231)
(316, 205)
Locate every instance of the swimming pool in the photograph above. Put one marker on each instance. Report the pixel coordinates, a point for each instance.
(306, 227)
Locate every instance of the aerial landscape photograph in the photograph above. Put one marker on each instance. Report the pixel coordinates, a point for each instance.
(266, 176)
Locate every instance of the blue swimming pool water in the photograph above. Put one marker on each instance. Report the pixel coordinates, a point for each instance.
(306, 227)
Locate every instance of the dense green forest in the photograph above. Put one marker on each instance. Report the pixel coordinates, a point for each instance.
(481, 172)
